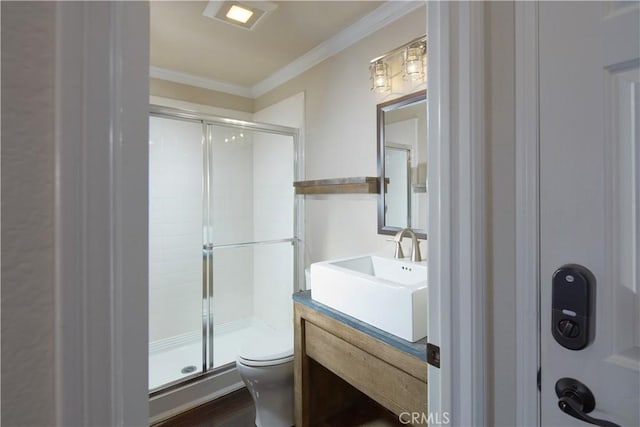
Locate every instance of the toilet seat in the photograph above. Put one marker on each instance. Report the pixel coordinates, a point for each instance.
(268, 349)
(259, 363)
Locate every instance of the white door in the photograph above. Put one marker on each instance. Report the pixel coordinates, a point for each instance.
(589, 202)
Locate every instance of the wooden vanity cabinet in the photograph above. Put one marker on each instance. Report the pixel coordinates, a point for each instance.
(325, 347)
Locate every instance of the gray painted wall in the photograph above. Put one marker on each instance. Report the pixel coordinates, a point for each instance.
(28, 42)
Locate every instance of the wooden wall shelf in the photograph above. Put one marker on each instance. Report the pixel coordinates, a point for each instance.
(365, 184)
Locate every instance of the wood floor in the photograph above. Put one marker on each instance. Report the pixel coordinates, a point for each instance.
(233, 410)
(237, 410)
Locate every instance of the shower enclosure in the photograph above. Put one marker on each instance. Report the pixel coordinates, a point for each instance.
(224, 240)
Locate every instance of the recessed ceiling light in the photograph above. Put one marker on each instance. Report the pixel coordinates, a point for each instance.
(239, 14)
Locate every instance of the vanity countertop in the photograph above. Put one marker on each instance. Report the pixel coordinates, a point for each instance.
(417, 349)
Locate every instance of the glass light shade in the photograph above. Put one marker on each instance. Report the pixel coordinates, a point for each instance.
(414, 62)
(380, 81)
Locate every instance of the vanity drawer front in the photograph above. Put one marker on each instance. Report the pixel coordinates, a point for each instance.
(391, 387)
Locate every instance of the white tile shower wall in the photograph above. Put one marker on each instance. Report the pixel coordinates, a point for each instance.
(273, 190)
(232, 285)
(175, 227)
(232, 192)
(233, 297)
(273, 213)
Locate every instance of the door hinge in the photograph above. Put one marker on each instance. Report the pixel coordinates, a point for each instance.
(433, 355)
(539, 378)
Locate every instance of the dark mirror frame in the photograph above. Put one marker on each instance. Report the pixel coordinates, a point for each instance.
(381, 109)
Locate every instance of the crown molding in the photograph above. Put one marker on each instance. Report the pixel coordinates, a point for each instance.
(198, 81)
(370, 23)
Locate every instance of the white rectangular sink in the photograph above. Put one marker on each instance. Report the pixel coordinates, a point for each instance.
(390, 294)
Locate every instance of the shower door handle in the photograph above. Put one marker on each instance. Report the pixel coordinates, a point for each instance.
(207, 250)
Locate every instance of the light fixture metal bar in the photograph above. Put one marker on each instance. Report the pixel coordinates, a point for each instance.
(398, 49)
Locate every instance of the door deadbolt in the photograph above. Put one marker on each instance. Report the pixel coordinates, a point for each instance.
(572, 306)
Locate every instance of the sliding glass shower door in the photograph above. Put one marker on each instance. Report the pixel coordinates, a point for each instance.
(176, 270)
(223, 240)
(252, 236)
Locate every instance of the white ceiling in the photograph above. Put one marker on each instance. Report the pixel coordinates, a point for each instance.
(186, 42)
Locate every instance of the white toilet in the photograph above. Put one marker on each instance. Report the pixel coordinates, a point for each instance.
(266, 367)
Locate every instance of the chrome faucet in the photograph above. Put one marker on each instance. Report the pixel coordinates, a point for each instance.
(415, 245)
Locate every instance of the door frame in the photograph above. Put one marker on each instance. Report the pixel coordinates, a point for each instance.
(456, 212)
(101, 242)
(101, 89)
(527, 172)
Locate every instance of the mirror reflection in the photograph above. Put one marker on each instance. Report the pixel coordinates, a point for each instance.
(402, 164)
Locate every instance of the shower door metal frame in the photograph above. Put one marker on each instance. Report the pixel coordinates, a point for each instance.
(297, 240)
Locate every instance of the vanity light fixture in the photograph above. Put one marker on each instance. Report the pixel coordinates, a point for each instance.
(414, 60)
(380, 79)
(413, 63)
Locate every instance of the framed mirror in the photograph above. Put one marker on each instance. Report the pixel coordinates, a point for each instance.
(402, 164)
